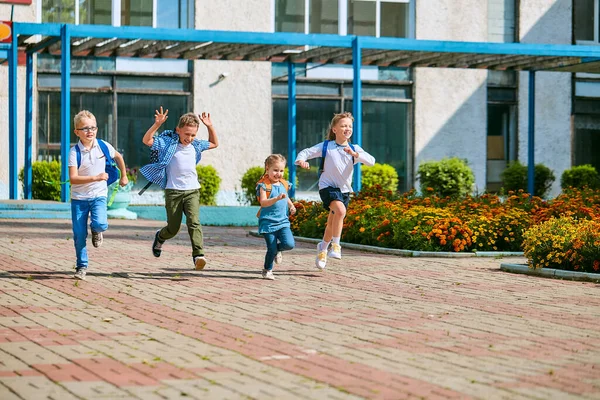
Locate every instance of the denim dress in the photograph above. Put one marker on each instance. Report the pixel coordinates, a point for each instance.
(274, 217)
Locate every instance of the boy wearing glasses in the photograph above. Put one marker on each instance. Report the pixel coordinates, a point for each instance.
(88, 186)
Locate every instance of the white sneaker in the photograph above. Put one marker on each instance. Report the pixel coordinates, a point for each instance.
(268, 274)
(278, 257)
(80, 274)
(199, 262)
(321, 260)
(335, 251)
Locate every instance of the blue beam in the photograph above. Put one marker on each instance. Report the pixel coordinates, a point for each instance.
(531, 136)
(357, 105)
(65, 111)
(27, 176)
(292, 127)
(13, 162)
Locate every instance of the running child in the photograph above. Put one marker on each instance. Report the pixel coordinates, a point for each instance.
(175, 155)
(335, 182)
(273, 222)
(88, 176)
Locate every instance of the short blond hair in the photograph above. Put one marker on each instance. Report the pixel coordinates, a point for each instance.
(83, 114)
(189, 119)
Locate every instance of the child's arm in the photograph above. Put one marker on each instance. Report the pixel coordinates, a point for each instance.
(76, 179)
(291, 206)
(264, 202)
(159, 118)
(121, 164)
(212, 134)
(360, 156)
(307, 154)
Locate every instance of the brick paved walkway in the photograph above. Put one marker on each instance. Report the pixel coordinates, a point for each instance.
(372, 326)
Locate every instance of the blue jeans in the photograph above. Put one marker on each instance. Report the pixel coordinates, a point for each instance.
(286, 242)
(79, 215)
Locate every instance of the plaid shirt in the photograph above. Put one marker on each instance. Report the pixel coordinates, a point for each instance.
(162, 152)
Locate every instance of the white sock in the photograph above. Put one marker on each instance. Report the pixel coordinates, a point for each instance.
(324, 245)
(335, 240)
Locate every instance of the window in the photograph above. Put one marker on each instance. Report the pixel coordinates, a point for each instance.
(386, 111)
(586, 141)
(586, 21)
(122, 103)
(501, 126)
(155, 13)
(359, 17)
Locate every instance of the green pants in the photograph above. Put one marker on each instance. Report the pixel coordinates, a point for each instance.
(178, 202)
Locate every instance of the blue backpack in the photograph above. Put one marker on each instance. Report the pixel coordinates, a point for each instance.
(324, 153)
(111, 166)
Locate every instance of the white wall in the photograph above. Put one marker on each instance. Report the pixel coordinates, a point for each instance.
(547, 21)
(240, 105)
(21, 14)
(450, 104)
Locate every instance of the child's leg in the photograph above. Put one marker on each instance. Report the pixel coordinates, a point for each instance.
(98, 215)
(286, 239)
(271, 240)
(174, 207)
(335, 220)
(191, 208)
(79, 217)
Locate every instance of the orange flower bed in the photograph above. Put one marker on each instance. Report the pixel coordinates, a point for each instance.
(481, 223)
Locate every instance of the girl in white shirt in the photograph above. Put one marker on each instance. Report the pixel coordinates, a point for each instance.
(335, 181)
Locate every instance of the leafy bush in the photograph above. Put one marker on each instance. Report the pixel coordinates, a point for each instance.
(210, 182)
(579, 177)
(382, 175)
(514, 178)
(45, 180)
(564, 243)
(447, 177)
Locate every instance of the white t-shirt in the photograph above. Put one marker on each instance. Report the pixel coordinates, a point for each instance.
(92, 164)
(338, 168)
(181, 171)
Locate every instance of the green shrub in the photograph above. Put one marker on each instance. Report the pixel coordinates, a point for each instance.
(210, 182)
(447, 177)
(579, 177)
(514, 178)
(45, 183)
(383, 175)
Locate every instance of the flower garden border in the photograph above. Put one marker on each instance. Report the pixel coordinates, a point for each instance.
(409, 253)
(550, 272)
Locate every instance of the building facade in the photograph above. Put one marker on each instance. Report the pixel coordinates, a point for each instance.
(410, 115)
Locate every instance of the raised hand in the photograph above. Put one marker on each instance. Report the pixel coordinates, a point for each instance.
(304, 164)
(281, 196)
(205, 118)
(160, 116)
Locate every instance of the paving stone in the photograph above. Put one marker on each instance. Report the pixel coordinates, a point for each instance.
(380, 326)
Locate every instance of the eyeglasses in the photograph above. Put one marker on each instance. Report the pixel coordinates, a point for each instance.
(87, 129)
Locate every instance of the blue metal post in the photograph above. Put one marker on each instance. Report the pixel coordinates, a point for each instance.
(13, 165)
(65, 111)
(292, 126)
(357, 105)
(531, 136)
(27, 181)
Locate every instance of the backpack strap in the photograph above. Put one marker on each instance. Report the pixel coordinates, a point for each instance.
(105, 150)
(323, 154)
(78, 153)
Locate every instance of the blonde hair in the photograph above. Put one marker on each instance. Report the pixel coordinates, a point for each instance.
(272, 159)
(336, 118)
(189, 119)
(81, 115)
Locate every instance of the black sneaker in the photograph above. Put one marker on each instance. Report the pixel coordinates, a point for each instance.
(157, 245)
(97, 239)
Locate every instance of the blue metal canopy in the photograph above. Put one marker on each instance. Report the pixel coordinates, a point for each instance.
(145, 42)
